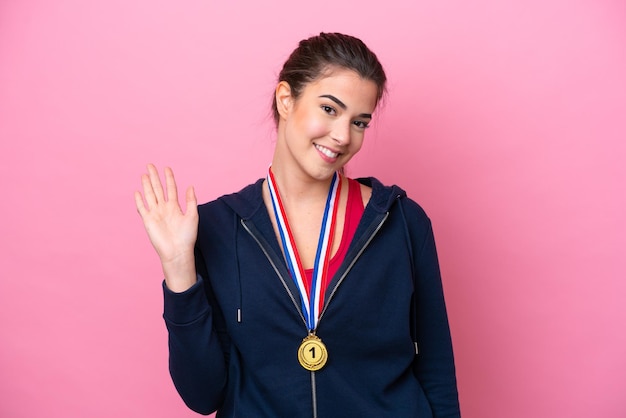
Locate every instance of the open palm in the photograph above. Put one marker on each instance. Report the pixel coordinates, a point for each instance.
(172, 232)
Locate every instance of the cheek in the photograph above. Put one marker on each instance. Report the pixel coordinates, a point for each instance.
(315, 127)
(357, 142)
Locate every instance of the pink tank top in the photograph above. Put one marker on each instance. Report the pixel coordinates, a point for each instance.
(354, 211)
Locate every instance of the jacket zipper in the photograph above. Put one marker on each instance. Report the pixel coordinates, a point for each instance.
(354, 260)
(343, 276)
(276, 270)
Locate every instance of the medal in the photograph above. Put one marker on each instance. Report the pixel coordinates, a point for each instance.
(312, 353)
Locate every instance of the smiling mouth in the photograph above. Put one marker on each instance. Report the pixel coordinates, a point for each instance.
(326, 151)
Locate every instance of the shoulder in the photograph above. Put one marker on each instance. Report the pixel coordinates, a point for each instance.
(220, 216)
(385, 197)
(244, 203)
(404, 212)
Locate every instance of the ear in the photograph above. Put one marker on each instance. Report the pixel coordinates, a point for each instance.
(284, 100)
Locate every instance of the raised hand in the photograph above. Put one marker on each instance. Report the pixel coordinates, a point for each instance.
(172, 232)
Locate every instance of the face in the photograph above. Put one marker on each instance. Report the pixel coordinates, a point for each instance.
(320, 131)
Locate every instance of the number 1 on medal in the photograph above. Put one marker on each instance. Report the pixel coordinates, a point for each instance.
(312, 353)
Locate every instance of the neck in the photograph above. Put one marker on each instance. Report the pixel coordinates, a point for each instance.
(297, 188)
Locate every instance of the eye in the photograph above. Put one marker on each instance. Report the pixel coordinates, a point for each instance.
(361, 124)
(328, 109)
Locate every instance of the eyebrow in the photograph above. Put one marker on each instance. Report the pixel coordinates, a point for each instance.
(343, 105)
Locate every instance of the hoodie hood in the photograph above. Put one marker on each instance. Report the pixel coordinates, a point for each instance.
(249, 200)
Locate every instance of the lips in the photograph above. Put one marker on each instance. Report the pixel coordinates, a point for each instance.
(327, 152)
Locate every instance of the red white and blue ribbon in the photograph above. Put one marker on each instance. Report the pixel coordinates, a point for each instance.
(312, 299)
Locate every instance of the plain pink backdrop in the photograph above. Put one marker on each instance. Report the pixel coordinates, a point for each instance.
(505, 120)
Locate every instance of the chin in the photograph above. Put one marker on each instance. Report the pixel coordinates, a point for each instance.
(323, 174)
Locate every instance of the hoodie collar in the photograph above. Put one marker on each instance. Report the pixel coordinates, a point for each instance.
(248, 201)
(383, 196)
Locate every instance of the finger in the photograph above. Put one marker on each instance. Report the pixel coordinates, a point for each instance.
(170, 183)
(148, 192)
(192, 202)
(141, 208)
(156, 183)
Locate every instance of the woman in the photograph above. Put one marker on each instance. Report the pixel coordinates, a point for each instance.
(306, 294)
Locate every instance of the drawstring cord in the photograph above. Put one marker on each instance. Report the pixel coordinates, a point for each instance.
(240, 307)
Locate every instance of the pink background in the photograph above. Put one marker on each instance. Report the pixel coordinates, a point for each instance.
(505, 120)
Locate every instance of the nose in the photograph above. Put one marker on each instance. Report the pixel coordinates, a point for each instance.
(341, 132)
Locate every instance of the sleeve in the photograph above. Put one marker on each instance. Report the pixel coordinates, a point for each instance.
(434, 362)
(196, 358)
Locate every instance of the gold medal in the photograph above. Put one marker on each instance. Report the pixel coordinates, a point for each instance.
(312, 353)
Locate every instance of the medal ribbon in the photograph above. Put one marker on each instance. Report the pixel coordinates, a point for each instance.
(311, 298)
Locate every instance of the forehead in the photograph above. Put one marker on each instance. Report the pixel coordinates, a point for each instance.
(348, 86)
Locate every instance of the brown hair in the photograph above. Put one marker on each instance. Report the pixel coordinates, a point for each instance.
(316, 56)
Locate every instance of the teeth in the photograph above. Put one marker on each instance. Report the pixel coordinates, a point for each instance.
(326, 151)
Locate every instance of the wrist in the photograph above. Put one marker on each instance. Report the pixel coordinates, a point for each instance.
(180, 272)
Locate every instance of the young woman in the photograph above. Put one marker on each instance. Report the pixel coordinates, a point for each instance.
(307, 293)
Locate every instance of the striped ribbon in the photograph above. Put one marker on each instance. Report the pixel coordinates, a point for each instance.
(312, 301)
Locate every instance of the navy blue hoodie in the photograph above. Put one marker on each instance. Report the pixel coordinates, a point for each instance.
(234, 336)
